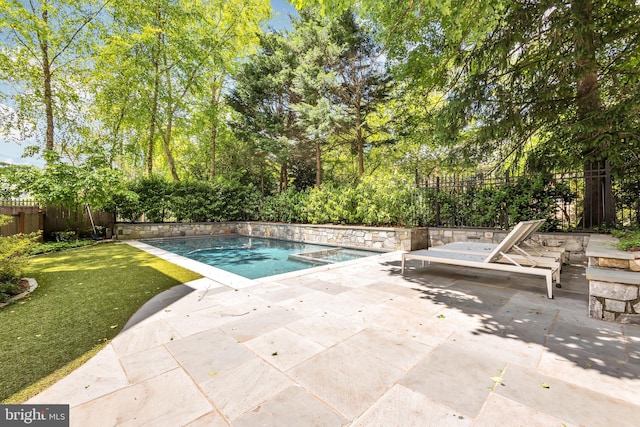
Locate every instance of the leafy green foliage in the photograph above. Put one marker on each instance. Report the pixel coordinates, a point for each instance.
(629, 239)
(14, 253)
(371, 202)
(526, 198)
(48, 247)
(161, 200)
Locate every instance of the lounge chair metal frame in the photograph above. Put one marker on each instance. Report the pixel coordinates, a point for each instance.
(521, 231)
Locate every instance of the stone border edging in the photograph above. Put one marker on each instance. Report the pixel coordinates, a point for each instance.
(32, 287)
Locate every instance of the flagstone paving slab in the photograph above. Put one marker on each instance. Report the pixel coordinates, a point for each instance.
(576, 405)
(259, 322)
(284, 348)
(144, 336)
(147, 364)
(212, 419)
(292, 407)
(456, 377)
(207, 352)
(101, 375)
(146, 403)
(391, 348)
(327, 329)
(243, 388)
(347, 378)
(407, 408)
(499, 411)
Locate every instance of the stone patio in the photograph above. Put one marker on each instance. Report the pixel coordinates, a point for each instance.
(358, 344)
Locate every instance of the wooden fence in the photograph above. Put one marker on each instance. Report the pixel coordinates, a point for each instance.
(26, 217)
(29, 217)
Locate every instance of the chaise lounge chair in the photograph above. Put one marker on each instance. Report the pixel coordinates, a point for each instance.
(523, 248)
(494, 260)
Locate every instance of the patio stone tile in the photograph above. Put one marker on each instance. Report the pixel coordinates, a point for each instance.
(347, 378)
(152, 402)
(366, 296)
(615, 378)
(499, 411)
(143, 337)
(147, 364)
(416, 305)
(101, 375)
(398, 321)
(327, 329)
(403, 407)
(212, 419)
(455, 377)
(574, 340)
(192, 323)
(471, 297)
(395, 289)
(391, 348)
(495, 345)
(282, 292)
(320, 302)
(258, 322)
(195, 301)
(527, 322)
(284, 348)
(291, 407)
(208, 352)
(241, 389)
(241, 300)
(632, 342)
(565, 401)
(326, 287)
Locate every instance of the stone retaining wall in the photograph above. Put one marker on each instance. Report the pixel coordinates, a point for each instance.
(614, 281)
(573, 243)
(377, 238)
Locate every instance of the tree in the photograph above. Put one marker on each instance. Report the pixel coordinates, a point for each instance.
(172, 57)
(264, 96)
(46, 49)
(545, 84)
(363, 81)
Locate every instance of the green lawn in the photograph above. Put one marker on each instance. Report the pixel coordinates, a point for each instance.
(84, 298)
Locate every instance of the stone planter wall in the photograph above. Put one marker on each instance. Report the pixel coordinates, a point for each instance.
(614, 281)
(123, 231)
(377, 238)
(573, 243)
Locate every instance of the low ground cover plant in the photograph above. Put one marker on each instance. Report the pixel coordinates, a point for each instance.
(629, 239)
(14, 256)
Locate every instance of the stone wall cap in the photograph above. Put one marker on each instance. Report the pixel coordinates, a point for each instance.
(604, 246)
(614, 276)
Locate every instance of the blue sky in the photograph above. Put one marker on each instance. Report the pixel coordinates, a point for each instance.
(11, 152)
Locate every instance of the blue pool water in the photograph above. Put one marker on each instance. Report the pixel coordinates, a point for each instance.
(254, 257)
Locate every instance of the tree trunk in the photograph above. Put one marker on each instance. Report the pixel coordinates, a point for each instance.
(170, 108)
(152, 124)
(598, 203)
(318, 164)
(284, 176)
(154, 101)
(48, 96)
(216, 91)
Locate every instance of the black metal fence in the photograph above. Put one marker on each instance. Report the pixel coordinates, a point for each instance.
(577, 200)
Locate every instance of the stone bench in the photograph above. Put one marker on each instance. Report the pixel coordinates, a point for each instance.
(614, 281)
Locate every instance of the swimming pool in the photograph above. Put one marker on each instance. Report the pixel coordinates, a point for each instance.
(255, 257)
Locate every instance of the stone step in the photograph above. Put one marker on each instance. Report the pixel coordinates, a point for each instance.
(612, 275)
